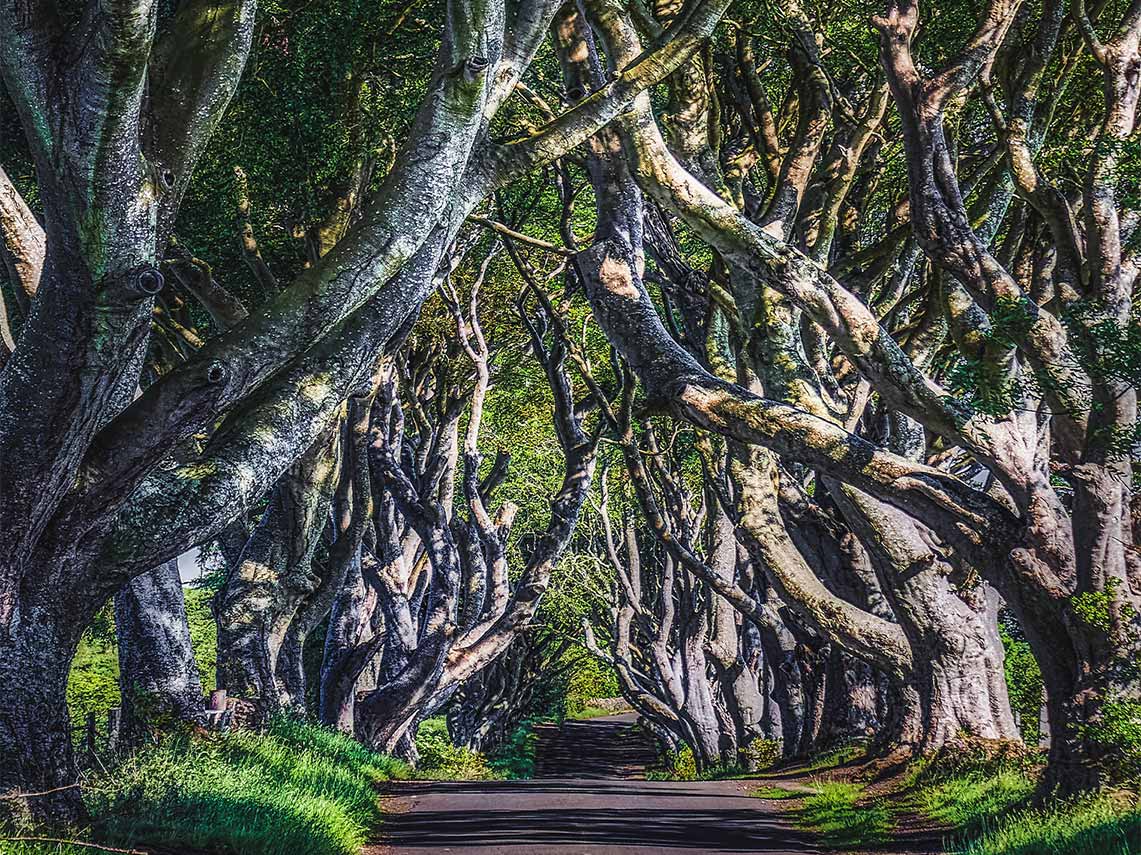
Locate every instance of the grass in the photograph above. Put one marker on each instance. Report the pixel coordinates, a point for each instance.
(838, 756)
(292, 788)
(991, 807)
(583, 713)
(1100, 824)
(837, 812)
(777, 793)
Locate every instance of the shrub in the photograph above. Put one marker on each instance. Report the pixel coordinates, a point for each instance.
(442, 760)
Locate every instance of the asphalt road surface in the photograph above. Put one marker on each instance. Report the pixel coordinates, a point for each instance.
(587, 798)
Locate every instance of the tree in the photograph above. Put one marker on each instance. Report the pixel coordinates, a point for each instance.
(117, 104)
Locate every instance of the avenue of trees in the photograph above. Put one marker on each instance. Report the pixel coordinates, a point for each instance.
(770, 354)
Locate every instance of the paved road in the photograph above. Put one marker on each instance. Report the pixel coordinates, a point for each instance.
(586, 799)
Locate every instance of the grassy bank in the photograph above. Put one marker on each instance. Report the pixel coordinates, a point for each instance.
(990, 805)
(979, 805)
(293, 788)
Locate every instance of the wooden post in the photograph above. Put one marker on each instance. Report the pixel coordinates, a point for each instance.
(91, 732)
(114, 721)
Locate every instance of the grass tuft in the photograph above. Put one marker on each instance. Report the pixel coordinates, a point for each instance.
(835, 811)
(777, 793)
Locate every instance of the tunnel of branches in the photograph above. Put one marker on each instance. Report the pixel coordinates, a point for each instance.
(777, 359)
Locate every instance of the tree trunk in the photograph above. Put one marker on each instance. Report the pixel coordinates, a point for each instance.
(159, 679)
(352, 640)
(38, 775)
(274, 576)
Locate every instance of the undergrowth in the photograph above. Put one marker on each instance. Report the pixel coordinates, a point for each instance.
(440, 760)
(682, 765)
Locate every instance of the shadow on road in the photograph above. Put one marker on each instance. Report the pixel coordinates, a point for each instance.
(587, 796)
(652, 828)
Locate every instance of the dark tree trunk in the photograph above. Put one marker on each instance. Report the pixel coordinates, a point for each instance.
(38, 773)
(159, 679)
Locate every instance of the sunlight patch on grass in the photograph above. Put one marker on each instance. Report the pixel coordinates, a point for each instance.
(293, 788)
(835, 812)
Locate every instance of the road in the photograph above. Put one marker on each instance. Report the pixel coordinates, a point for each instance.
(586, 798)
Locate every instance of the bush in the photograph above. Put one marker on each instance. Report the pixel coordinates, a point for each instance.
(442, 760)
(516, 758)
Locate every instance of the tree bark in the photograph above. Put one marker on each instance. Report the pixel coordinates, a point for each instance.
(159, 681)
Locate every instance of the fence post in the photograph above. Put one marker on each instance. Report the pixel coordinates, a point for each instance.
(114, 720)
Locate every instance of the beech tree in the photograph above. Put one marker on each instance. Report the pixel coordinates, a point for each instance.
(117, 103)
(1014, 530)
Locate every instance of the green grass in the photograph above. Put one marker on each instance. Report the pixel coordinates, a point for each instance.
(838, 756)
(990, 805)
(1094, 825)
(975, 799)
(836, 813)
(777, 793)
(582, 713)
(293, 788)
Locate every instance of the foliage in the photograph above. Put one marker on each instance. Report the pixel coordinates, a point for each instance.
(441, 760)
(1118, 731)
(295, 787)
(93, 685)
(1023, 681)
(588, 680)
(516, 757)
(203, 634)
(986, 385)
(764, 753)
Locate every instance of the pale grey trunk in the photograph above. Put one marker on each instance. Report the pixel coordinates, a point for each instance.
(352, 640)
(159, 679)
